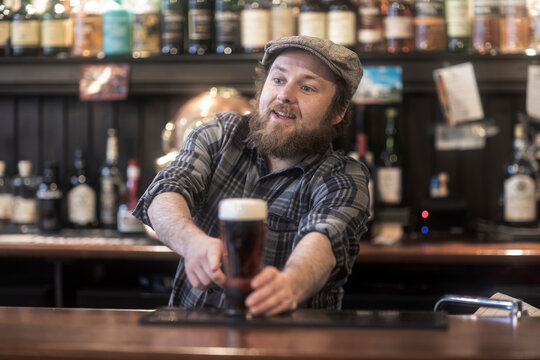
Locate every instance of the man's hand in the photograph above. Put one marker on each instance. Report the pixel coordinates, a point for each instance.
(272, 293)
(202, 262)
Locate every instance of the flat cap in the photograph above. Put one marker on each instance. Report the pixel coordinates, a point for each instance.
(342, 61)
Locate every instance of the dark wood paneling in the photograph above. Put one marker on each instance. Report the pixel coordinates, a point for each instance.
(29, 145)
(7, 133)
(54, 139)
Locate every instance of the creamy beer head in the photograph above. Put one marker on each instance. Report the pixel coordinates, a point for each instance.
(237, 209)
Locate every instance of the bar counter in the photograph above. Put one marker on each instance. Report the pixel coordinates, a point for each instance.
(47, 333)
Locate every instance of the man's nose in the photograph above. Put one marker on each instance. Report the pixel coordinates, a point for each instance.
(286, 94)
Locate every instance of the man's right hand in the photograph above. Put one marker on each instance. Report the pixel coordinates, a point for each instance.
(202, 260)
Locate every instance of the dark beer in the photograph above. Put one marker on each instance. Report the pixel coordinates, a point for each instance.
(243, 232)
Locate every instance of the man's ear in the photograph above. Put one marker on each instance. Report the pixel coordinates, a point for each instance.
(339, 117)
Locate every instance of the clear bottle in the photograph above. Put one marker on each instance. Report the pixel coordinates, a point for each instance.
(88, 29)
(110, 183)
(486, 26)
(49, 195)
(515, 27)
(127, 223)
(389, 170)
(200, 21)
(312, 19)
(146, 28)
(283, 19)
(25, 28)
(25, 203)
(370, 32)
(116, 19)
(430, 26)
(6, 198)
(227, 23)
(341, 23)
(399, 27)
(458, 25)
(81, 198)
(5, 27)
(255, 25)
(519, 184)
(173, 26)
(56, 29)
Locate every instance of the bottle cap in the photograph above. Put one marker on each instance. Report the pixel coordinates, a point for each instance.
(25, 167)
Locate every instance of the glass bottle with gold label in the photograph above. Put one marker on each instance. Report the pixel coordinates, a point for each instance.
(56, 29)
(486, 26)
(146, 28)
(399, 27)
(87, 29)
(370, 34)
(430, 26)
(25, 30)
(341, 22)
(515, 31)
(312, 19)
(255, 25)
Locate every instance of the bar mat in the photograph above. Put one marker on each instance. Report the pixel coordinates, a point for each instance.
(300, 318)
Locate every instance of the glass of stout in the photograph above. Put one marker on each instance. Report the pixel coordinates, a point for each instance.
(243, 232)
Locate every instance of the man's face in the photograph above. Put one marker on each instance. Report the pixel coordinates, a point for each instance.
(293, 116)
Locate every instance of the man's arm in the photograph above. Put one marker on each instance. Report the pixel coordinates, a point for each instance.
(171, 220)
(307, 270)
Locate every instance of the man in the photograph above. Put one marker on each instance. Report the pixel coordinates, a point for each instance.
(317, 199)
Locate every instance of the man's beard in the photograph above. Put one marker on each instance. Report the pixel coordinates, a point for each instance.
(271, 141)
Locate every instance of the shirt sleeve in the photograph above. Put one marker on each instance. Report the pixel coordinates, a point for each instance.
(340, 211)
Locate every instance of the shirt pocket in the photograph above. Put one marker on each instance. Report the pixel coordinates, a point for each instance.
(280, 240)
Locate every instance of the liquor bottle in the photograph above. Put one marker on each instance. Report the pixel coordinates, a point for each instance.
(519, 184)
(49, 195)
(458, 24)
(87, 29)
(515, 31)
(312, 19)
(25, 30)
(110, 183)
(389, 167)
(81, 198)
(365, 156)
(127, 223)
(486, 26)
(5, 27)
(398, 26)
(116, 22)
(341, 23)
(146, 35)
(227, 22)
(200, 20)
(283, 19)
(6, 198)
(173, 26)
(430, 26)
(56, 29)
(370, 32)
(25, 204)
(255, 25)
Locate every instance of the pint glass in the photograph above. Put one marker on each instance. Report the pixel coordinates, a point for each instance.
(243, 232)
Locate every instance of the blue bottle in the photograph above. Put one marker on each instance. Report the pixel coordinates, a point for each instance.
(116, 29)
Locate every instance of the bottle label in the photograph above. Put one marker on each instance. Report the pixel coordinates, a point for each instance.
(127, 223)
(398, 27)
(486, 7)
(147, 33)
(116, 32)
(200, 24)
(457, 18)
(341, 27)
(312, 24)
(87, 34)
(282, 22)
(519, 199)
(82, 205)
(4, 32)
(429, 8)
(56, 33)
(255, 28)
(369, 36)
(25, 33)
(172, 26)
(108, 201)
(6, 206)
(389, 183)
(24, 210)
(49, 194)
(227, 26)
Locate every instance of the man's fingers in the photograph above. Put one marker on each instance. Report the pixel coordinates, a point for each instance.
(214, 258)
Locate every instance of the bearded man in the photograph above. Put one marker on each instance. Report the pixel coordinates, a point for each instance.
(317, 198)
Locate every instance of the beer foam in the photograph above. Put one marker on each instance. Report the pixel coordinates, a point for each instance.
(242, 209)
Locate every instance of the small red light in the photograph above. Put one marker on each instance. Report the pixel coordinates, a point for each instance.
(425, 214)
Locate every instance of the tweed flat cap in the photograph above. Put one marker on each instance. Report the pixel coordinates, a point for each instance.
(342, 61)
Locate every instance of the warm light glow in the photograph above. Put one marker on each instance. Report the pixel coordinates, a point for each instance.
(530, 52)
(514, 252)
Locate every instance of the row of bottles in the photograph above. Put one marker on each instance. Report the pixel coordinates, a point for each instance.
(29, 203)
(152, 27)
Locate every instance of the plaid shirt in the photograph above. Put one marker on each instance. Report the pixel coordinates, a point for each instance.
(325, 192)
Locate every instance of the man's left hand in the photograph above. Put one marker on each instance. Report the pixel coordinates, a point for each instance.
(272, 293)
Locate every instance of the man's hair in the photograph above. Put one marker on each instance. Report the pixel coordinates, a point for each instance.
(338, 104)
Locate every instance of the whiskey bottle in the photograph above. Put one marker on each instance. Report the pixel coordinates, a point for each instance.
(399, 27)
(25, 204)
(81, 198)
(146, 28)
(110, 183)
(430, 26)
(370, 32)
(312, 19)
(116, 20)
(283, 19)
(49, 195)
(341, 22)
(56, 29)
(458, 25)
(255, 25)
(87, 29)
(173, 26)
(200, 21)
(6, 198)
(25, 30)
(227, 21)
(486, 26)
(127, 223)
(5, 28)
(515, 31)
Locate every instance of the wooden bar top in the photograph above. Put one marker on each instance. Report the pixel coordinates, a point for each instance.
(46, 333)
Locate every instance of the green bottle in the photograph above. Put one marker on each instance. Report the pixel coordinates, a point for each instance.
(173, 26)
(25, 30)
(116, 28)
(56, 29)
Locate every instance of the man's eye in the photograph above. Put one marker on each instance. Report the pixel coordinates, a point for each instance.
(277, 81)
(307, 88)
